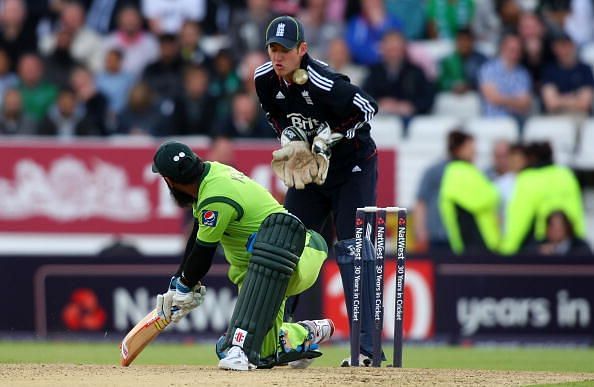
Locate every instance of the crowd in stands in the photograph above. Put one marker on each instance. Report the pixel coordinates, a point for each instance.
(184, 67)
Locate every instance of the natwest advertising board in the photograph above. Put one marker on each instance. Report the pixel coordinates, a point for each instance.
(108, 187)
(418, 299)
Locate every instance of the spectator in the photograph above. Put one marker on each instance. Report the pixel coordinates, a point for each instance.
(339, 58)
(248, 26)
(86, 43)
(319, 32)
(37, 94)
(12, 118)
(561, 239)
(554, 13)
(458, 72)
(398, 86)
(578, 24)
(17, 31)
(492, 19)
(190, 38)
(446, 17)
(8, 79)
(66, 118)
(168, 16)
(94, 102)
(245, 121)
(246, 69)
(60, 63)
(144, 114)
(540, 189)
(195, 108)
(568, 84)
(224, 83)
(365, 31)
(430, 233)
(114, 82)
(139, 47)
(102, 15)
(469, 216)
(504, 84)
(164, 75)
(412, 14)
(536, 51)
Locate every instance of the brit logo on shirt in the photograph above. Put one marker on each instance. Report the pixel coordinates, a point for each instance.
(209, 218)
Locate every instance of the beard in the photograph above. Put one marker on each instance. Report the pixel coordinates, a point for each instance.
(182, 199)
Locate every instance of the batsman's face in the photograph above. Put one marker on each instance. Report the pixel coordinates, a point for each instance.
(284, 60)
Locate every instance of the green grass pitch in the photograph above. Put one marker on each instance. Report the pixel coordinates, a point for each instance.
(491, 358)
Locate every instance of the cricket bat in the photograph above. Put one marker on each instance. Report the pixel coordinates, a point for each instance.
(140, 336)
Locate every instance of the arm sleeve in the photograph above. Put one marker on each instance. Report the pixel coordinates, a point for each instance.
(189, 246)
(350, 106)
(197, 263)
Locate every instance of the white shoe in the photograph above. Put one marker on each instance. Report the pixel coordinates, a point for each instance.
(322, 329)
(364, 361)
(236, 360)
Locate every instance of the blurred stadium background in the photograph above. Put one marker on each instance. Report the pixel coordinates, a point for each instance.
(88, 89)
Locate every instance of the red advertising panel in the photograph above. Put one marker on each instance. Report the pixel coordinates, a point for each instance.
(418, 299)
(108, 187)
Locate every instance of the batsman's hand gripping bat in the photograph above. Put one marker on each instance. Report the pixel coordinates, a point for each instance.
(141, 335)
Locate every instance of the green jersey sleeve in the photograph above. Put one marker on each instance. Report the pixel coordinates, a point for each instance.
(213, 221)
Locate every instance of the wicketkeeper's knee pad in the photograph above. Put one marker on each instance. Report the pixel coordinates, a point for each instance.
(276, 251)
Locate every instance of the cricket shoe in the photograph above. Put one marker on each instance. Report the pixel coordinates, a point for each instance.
(236, 360)
(321, 331)
(364, 361)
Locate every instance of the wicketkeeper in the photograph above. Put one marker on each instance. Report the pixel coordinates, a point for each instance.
(270, 252)
(328, 158)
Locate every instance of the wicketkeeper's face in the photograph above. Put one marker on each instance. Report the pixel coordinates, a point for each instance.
(284, 60)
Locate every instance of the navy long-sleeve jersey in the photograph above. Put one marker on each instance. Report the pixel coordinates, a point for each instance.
(326, 96)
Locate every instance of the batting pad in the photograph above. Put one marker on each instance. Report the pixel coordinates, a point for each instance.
(278, 246)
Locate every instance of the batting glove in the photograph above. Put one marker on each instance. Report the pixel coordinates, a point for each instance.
(320, 148)
(186, 299)
(165, 301)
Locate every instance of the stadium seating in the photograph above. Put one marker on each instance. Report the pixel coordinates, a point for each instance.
(413, 159)
(387, 130)
(431, 129)
(465, 106)
(584, 158)
(487, 131)
(560, 131)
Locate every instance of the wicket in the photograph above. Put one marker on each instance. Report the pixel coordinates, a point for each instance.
(370, 222)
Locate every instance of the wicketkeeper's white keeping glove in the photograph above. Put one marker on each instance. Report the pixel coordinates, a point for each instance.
(320, 148)
(294, 163)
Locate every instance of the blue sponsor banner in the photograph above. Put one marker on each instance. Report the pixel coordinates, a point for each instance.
(524, 298)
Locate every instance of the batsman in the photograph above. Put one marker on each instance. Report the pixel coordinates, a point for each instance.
(327, 156)
(271, 256)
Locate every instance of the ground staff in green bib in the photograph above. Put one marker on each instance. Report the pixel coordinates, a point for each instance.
(540, 190)
(468, 200)
(270, 252)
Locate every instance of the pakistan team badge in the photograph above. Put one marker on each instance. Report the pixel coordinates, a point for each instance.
(209, 218)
